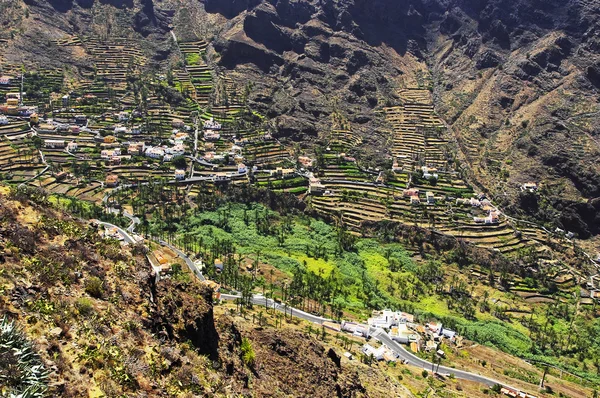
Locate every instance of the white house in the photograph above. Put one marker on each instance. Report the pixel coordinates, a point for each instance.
(377, 353)
(123, 116)
(54, 143)
(177, 150)
(356, 328)
(242, 169)
(429, 172)
(180, 175)
(155, 153)
(3, 120)
(211, 135)
(72, 146)
(5, 80)
(430, 198)
(529, 186)
(110, 153)
(211, 124)
(120, 130)
(168, 157)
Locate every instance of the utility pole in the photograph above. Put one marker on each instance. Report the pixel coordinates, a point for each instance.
(543, 377)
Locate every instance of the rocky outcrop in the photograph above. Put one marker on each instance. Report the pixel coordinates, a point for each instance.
(183, 312)
(149, 19)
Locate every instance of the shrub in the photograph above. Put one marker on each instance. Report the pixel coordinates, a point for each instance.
(248, 355)
(84, 306)
(94, 287)
(22, 373)
(424, 373)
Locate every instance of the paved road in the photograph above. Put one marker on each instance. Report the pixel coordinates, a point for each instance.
(378, 334)
(126, 236)
(259, 299)
(191, 265)
(410, 358)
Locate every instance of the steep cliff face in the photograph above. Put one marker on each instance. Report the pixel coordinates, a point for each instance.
(183, 312)
(516, 80)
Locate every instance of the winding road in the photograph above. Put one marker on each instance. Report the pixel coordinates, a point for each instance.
(378, 334)
(258, 299)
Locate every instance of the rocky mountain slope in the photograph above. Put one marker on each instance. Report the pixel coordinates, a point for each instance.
(102, 326)
(517, 82)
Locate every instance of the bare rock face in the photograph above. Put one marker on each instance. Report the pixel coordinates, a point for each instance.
(303, 53)
(183, 312)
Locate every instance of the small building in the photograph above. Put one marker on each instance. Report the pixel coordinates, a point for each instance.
(475, 202)
(55, 144)
(72, 146)
(120, 130)
(212, 124)
(242, 169)
(431, 345)
(410, 192)
(13, 95)
(357, 329)
(60, 175)
(123, 116)
(211, 135)
(284, 173)
(137, 129)
(403, 335)
(155, 152)
(3, 120)
(110, 153)
(112, 180)
(136, 148)
(430, 198)
(176, 150)
(447, 333)
(377, 353)
(109, 139)
(218, 265)
(529, 186)
(214, 287)
(415, 200)
(168, 158)
(429, 173)
(81, 120)
(65, 100)
(5, 80)
(47, 128)
(180, 175)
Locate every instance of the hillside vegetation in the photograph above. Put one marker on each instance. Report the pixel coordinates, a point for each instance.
(102, 327)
